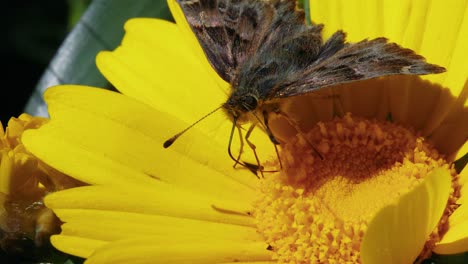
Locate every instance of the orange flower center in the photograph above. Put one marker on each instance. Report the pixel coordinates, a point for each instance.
(317, 211)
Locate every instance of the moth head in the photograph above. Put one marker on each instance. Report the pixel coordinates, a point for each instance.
(240, 103)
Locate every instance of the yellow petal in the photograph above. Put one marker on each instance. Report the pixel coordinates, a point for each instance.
(445, 44)
(18, 173)
(360, 20)
(462, 151)
(463, 180)
(452, 132)
(2, 132)
(154, 65)
(398, 232)
(77, 246)
(456, 239)
(144, 250)
(117, 225)
(192, 41)
(98, 170)
(6, 170)
(328, 13)
(442, 41)
(405, 92)
(464, 189)
(156, 199)
(121, 140)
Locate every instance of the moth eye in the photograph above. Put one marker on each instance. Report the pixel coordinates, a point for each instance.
(249, 103)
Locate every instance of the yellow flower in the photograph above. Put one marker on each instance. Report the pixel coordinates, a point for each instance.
(186, 204)
(24, 181)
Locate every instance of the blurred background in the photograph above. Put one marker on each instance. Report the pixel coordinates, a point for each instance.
(33, 32)
(54, 42)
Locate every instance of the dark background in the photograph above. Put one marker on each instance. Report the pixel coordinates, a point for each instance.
(33, 32)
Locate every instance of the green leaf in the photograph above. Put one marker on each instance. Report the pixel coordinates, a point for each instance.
(76, 8)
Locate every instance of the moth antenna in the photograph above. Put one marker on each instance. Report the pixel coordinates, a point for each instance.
(171, 141)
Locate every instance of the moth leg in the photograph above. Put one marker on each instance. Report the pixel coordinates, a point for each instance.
(253, 147)
(268, 130)
(252, 167)
(241, 148)
(298, 129)
(272, 137)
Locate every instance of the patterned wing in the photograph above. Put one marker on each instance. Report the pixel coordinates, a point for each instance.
(339, 62)
(228, 30)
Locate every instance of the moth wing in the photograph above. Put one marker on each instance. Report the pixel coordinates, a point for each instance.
(228, 31)
(339, 62)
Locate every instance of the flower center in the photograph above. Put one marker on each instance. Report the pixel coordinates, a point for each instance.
(317, 211)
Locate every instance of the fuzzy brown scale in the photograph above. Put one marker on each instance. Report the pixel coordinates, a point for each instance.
(266, 51)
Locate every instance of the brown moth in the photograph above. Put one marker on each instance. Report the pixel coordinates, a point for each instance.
(266, 51)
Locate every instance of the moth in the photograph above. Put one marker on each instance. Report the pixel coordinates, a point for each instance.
(267, 52)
